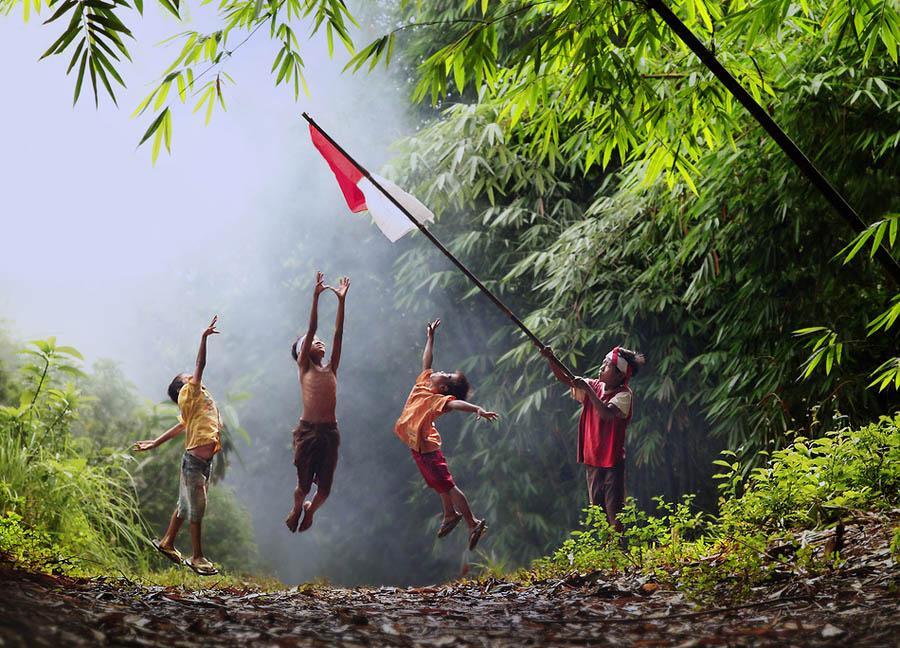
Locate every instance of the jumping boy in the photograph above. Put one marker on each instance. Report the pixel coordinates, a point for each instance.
(199, 421)
(607, 406)
(316, 438)
(435, 393)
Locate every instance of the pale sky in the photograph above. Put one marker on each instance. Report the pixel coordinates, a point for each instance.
(87, 221)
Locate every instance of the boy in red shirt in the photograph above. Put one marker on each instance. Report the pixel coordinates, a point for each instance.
(436, 393)
(607, 406)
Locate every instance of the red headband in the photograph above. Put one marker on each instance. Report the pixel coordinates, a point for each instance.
(614, 357)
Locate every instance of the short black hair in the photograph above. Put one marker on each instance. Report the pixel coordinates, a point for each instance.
(635, 359)
(175, 387)
(458, 386)
(297, 344)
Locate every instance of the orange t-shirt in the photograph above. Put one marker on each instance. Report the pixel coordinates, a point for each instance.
(415, 427)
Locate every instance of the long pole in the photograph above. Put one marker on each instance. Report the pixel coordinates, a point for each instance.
(431, 237)
(841, 206)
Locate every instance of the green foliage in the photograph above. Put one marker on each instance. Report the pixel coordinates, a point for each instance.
(72, 499)
(814, 481)
(590, 80)
(678, 229)
(881, 234)
(29, 548)
(202, 53)
(72, 502)
(808, 485)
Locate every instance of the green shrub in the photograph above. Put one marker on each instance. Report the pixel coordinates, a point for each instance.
(28, 547)
(56, 495)
(810, 484)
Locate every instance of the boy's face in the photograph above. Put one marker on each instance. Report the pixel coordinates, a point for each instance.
(317, 350)
(610, 374)
(440, 381)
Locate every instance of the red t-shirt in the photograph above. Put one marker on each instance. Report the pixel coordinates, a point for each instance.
(601, 442)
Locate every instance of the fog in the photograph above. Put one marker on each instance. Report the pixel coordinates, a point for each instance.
(129, 261)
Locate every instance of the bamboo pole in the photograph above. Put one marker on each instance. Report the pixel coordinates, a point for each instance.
(431, 237)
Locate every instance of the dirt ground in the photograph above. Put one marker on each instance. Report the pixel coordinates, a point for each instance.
(857, 605)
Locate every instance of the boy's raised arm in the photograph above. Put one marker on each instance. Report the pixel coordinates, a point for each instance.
(428, 354)
(341, 292)
(479, 412)
(303, 351)
(555, 367)
(201, 354)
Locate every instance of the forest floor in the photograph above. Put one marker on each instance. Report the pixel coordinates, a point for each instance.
(857, 604)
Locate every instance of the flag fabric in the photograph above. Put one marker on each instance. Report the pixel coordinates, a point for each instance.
(361, 194)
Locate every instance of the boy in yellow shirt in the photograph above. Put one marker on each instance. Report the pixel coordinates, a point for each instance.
(436, 393)
(199, 421)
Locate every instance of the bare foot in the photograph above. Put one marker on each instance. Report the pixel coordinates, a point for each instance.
(292, 520)
(307, 517)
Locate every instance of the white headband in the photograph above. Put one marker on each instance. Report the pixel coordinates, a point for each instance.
(616, 357)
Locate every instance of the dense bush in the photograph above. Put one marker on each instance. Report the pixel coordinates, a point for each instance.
(56, 495)
(72, 498)
(807, 485)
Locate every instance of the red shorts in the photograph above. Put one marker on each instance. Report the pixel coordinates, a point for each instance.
(434, 469)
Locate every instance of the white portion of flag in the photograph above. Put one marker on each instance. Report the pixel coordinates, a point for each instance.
(392, 222)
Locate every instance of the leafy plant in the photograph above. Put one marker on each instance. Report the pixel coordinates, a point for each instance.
(808, 485)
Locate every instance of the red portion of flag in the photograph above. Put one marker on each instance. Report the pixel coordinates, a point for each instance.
(344, 170)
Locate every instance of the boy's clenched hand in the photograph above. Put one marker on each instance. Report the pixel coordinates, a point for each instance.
(141, 446)
(431, 327)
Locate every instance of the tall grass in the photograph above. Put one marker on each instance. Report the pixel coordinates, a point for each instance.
(75, 505)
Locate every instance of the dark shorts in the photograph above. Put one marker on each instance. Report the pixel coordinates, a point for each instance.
(316, 455)
(606, 488)
(434, 469)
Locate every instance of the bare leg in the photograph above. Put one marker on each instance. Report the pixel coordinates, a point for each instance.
(310, 507)
(461, 504)
(449, 512)
(195, 540)
(168, 540)
(294, 516)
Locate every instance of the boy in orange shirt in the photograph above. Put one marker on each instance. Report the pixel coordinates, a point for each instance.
(199, 421)
(435, 393)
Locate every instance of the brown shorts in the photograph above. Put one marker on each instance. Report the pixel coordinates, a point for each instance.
(606, 488)
(316, 454)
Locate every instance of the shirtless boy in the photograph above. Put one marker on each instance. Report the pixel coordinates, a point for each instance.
(316, 437)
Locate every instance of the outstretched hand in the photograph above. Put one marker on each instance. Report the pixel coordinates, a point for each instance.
(320, 283)
(343, 287)
(211, 329)
(141, 446)
(488, 416)
(431, 327)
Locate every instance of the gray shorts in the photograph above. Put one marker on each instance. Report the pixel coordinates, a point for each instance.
(192, 489)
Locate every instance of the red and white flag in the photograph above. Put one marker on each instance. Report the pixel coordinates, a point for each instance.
(361, 194)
